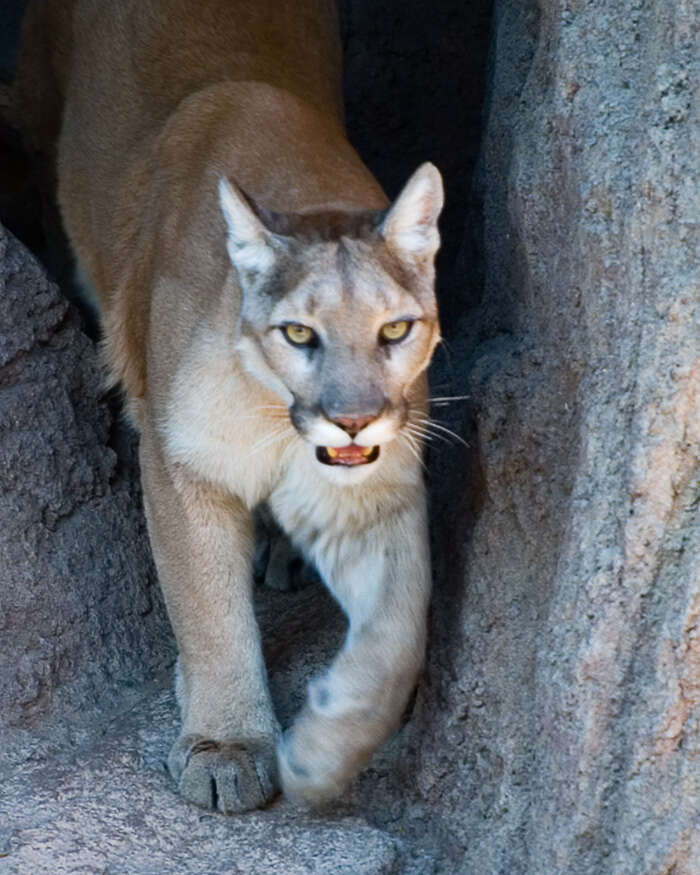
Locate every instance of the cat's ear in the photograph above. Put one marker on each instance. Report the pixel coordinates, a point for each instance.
(249, 242)
(410, 225)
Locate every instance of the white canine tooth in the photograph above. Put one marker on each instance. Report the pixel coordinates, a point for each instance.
(332, 452)
(367, 450)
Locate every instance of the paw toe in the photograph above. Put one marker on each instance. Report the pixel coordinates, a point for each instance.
(226, 776)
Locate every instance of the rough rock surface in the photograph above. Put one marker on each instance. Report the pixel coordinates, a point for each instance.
(110, 807)
(81, 616)
(558, 729)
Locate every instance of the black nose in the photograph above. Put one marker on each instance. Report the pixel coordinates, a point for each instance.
(354, 424)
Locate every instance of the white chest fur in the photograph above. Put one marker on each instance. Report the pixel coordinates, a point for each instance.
(232, 432)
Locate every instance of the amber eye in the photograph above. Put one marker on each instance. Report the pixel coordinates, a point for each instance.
(300, 335)
(393, 332)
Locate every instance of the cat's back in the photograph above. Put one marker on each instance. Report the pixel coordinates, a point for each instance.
(165, 50)
(124, 67)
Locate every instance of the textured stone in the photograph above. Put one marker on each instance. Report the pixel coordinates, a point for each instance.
(81, 617)
(111, 808)
(557, 729)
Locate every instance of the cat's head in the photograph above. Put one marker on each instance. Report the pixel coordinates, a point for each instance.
(339, 316)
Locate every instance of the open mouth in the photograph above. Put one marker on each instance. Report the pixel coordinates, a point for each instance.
(348, 456)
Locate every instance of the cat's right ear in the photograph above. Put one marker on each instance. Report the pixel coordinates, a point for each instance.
(249, 243)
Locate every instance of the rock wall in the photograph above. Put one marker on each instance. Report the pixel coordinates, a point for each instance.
(557, 729)
(81, 616)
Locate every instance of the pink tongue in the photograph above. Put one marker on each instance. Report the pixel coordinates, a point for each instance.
(351, 455)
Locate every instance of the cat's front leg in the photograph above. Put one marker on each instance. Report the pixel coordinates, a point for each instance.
(202, 544)
(381, 577)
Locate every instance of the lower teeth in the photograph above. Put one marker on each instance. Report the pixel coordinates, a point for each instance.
(333, 452)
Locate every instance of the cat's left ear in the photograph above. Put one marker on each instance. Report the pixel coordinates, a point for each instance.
(410, 226)
(250, 244)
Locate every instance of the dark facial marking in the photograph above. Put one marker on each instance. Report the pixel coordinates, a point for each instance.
(322, 227)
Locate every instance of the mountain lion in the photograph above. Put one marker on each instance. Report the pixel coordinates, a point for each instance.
(270, 318)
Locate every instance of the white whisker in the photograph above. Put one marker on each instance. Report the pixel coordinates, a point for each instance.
(417, 431)
(279, 417)
(422, 428)
(435, 435)
(431, 424)
(414, 451)
(412, 439)
(447, 399)
(271, 438)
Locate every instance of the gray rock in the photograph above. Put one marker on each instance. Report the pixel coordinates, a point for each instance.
(81, 617)
(557, 729)
(111, 808)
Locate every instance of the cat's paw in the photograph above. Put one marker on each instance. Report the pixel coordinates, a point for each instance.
(227, 776)
(311, 767)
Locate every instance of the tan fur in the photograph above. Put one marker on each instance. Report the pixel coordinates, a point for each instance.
(160, 102)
